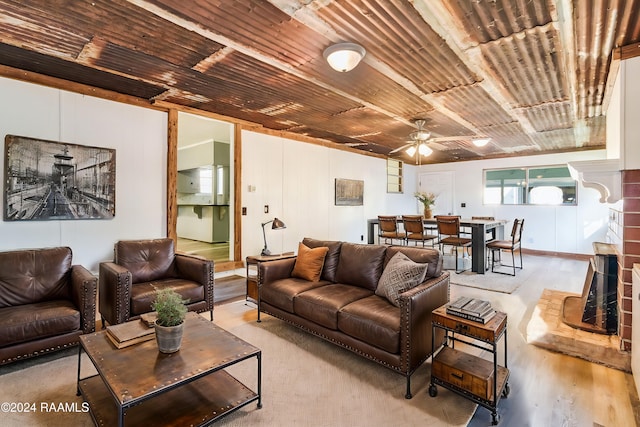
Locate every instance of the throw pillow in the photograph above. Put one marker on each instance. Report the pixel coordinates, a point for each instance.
(309, 262)
(400, 275)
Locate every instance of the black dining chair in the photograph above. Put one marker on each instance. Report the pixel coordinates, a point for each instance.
(449, 235)
(415, 230)
(513, 245)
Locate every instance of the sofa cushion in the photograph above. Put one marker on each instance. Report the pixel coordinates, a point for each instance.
(361, 265)
(143, 294)
(430, 256)
(321, 305)
(400, 275)
(330, 260)
(34, 275)
(374, 321)
(147, 260)
(28, 322)
(281, 293)
(309, 262)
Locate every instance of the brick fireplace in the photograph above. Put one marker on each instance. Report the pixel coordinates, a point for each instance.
(547, 328)
(624, 232)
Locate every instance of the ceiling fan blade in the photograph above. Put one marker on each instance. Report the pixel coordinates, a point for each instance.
(451, 138)
(401, 148)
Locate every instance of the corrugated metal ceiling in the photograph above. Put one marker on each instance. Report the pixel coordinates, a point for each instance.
(532, 75)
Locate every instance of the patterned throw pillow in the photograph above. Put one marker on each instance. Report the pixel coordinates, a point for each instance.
(309, 262)
(400, 275)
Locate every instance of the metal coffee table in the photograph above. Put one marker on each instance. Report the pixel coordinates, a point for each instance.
(138, 385)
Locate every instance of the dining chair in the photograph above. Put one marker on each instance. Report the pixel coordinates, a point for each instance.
(415, 230)
(388, 229)
(449, 235)
(508, 245)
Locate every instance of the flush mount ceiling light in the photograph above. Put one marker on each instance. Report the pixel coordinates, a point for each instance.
(481, 142)
(344, 57)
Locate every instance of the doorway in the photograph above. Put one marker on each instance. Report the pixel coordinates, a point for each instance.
(205, 217)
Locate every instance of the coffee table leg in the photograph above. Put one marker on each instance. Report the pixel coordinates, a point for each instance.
(259, 356)
(79, 358)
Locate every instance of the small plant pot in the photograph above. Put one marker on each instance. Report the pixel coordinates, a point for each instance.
(169, 338)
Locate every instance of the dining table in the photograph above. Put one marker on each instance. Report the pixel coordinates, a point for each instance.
(480, 228)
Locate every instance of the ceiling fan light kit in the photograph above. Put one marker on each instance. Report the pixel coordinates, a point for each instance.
(421, 137)
(344, 57)
(424, 150)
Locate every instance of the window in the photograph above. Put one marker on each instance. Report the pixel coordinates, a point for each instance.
(394, 176)
(540, 185)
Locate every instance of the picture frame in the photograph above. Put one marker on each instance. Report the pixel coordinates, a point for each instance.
(50, 180)
(349, 192)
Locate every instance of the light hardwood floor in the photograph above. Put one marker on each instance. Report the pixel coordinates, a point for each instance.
(216, 251)
(548, 388)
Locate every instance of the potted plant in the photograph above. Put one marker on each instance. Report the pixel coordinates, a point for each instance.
(427, 200)
(171, 310)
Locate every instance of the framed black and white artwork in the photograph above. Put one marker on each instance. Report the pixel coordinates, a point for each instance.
(48, 180)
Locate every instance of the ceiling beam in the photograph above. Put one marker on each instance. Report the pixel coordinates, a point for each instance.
(436, 14)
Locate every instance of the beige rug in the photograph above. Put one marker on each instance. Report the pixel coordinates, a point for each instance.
(306, 382)
(499, 282)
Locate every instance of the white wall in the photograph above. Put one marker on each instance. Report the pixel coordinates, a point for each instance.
(297, 181)
(630, 105)
(139, 136)
(570, 229)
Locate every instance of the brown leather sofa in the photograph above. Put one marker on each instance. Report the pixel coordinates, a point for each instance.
(343, 307)
(46, 303)
(128, 284)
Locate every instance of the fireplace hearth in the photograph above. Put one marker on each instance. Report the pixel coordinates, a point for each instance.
(596, 310)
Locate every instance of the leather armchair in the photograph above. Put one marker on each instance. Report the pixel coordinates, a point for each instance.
(46, 303)
(128, 284)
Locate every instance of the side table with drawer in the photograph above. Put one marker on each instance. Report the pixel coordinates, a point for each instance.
(478, 379)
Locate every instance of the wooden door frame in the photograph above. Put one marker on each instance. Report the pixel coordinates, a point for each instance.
(172, 194)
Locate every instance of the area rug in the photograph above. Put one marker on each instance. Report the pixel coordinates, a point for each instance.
(306, 382)
(496, 282)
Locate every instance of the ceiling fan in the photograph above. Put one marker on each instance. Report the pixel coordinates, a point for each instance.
(421, 138)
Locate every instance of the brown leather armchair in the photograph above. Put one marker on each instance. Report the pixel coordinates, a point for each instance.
(46, 303)
(128, 284)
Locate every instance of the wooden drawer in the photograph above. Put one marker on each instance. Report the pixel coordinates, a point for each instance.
(489, 332)
(465, 371)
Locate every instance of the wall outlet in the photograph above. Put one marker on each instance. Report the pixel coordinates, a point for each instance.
(244, 210)
(463, 205)
(266, 208)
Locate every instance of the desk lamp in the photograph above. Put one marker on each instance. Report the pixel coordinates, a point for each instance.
(276, 225)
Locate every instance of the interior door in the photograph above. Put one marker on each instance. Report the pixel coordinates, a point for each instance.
(440, 184)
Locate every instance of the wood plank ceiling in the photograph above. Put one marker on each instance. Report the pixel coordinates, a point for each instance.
(531, 74)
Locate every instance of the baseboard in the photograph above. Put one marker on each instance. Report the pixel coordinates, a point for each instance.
(579, 257)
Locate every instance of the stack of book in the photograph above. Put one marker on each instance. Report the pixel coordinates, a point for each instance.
(473, 309)
(130, 333)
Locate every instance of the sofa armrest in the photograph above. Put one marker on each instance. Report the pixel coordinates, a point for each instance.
(197, 269)
(84, 286)
(115, 293)
(416, 306)
(270, 271)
